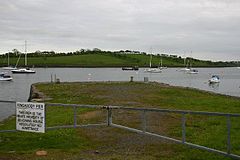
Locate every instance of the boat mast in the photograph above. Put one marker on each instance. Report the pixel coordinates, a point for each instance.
(150, 64)
(25, 53)
(8, 59)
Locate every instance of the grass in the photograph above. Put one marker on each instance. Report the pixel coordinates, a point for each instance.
(106, 60)
(112, 143)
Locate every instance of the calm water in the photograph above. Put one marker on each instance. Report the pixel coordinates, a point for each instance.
(19, 88)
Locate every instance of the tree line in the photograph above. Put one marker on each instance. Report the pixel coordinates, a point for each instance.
(119, 54)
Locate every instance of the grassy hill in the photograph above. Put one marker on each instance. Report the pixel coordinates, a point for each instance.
(106, 59)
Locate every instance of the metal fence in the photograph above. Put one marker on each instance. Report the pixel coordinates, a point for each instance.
(143, 127)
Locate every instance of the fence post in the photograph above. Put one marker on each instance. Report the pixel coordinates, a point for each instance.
(109, 116)
(144, 123)
(75, 116)
(183, 127)
(228, 134)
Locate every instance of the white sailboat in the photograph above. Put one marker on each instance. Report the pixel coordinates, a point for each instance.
(161, 66)
(186, 69)
(152, 70)
(191, 70)
(8, 66)
(26, 70)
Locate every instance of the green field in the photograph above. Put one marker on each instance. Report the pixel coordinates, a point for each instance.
(112, 143)
(107, 60)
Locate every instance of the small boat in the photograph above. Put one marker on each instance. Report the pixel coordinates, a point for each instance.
(135, 68)
(185, 69)
(4, 77)
(164, 67)
(192, 71)
(153, 70)
(214, 79)
(23, 70)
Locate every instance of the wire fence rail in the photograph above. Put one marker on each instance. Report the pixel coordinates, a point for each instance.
(143, 128)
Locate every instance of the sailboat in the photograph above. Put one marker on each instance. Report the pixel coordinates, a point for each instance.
(238, 67)
(152, 70)
(9, 67)
(161, 66)
(26, 70)
(186, 69)
(191, 70)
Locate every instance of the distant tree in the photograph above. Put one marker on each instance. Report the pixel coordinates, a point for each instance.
(16, 52)
(96, 50)
(77, 52)
(82, 51)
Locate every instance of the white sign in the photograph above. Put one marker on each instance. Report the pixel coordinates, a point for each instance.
(30, 117)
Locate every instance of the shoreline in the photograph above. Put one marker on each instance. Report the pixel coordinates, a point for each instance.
(37, 96)
(117, 66)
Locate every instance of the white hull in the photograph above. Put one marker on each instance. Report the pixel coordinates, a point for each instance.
(153, 70)
(163, 68)
(184, 69)
(192, 71)
(6, 79)
(9, 68)
(23, 71)
(214, 80)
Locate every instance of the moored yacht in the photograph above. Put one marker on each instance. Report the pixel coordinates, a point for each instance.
(153, 70)
(23, 70)
(192, 71)
(4, 77)
(26, 70)
(185, 69)
(214, 79)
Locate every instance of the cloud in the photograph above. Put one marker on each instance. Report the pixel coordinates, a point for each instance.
(206, 27)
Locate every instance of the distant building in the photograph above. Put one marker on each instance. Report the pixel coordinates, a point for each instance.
(173, 56)
(164, 55)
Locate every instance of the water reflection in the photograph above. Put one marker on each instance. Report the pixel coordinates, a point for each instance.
(214, 86)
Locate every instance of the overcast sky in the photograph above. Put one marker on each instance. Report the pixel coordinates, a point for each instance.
(208, 28)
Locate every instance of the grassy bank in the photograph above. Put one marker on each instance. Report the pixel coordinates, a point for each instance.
(111, 143)
(108, 60)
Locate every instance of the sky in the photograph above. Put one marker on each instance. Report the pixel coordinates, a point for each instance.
(203, 29)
